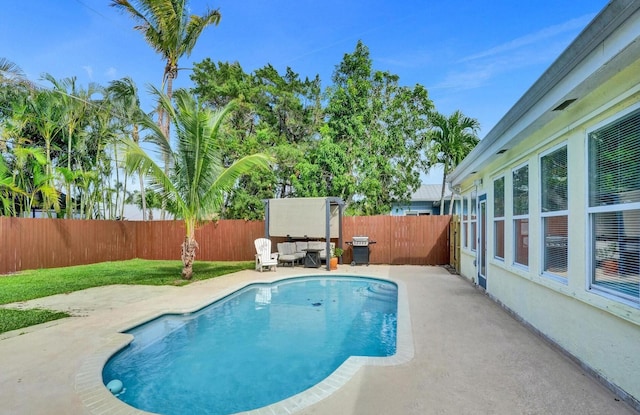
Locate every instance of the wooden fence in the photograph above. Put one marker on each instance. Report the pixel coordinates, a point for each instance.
(48, 243)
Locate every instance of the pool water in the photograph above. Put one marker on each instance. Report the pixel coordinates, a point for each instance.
(257, 346)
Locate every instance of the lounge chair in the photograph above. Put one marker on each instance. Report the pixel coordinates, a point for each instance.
(287, 253)
(264, 256)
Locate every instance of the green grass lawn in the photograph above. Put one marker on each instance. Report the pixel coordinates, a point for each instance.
(18, 319)
(27, 285)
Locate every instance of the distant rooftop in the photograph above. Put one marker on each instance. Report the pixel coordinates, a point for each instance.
(430, 193)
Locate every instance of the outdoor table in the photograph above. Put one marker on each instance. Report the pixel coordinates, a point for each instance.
(312, 258)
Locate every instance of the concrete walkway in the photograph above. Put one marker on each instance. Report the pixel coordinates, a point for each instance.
(469, 356)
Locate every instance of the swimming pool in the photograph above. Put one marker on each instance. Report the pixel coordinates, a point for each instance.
(257, 346)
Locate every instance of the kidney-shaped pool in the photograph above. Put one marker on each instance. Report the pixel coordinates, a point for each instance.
(259, 345)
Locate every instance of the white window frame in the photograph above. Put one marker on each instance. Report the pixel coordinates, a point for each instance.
(551, 214)
(473, 221)
(497, 219)
(465, 222)
(515, 218)
(418, 213)
(615, 295)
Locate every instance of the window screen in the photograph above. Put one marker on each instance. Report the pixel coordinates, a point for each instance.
(498, 218)
(465, 221)
(521, 215)
(614, 207)
(555, 216)
(520, 182)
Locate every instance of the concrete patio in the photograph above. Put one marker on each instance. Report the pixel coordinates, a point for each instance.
(469, 355)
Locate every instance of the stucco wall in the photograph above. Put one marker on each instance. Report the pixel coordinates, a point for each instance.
(602, 332)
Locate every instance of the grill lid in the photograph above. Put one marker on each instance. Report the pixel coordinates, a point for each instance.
(360, 240)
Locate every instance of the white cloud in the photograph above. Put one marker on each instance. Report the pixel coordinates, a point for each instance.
(541, 47)
(543, 35)
(89, 70)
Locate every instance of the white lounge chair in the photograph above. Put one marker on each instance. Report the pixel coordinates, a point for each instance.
(264, 256)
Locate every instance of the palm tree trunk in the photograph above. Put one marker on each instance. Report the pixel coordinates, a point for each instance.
(444, 185)
(67, 200)
(124, 195)
(115, 155)
(136, 139)
(189, 247)
(163, 123)
(143, 196)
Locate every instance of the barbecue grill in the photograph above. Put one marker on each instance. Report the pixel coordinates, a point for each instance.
(360, 246)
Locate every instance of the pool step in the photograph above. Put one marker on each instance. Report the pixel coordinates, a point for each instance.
(381, 291)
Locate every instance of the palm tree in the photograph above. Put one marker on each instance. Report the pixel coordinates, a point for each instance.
(11, 74)
(36, 185)
(197, 180)
(452, 139)
(172, 31)
(124, 94)
(9, 191)
(76, 108)
(45, 113)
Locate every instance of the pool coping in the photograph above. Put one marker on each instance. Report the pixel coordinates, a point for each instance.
(100, 401)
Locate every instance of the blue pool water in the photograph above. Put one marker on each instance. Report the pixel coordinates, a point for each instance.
(257, 346)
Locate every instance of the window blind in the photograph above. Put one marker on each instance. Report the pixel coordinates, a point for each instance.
(473, 230)
(498, 218)
(521, 215)
(555, 217)
(614, 206)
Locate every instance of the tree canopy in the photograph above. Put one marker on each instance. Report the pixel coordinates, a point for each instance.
(361, 139)
(198, 179)
(365, 138)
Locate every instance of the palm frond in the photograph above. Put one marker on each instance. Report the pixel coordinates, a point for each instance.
(195, 26)
(10, 72)
(137, 160)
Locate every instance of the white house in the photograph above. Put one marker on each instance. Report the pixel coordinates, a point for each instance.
(553, 195)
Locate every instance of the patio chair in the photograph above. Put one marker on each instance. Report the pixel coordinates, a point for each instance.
(264, 256)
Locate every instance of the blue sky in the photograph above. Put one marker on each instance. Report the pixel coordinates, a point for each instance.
(475, 56)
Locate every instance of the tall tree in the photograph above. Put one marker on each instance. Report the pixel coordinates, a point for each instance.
(276, 113)
(15, 89)
(36, 186)
(34, 118)
(198, 179)
(45, 112)
(8, 190)
(170, 29)
(452, 138)
(381, 127)
(124, 95)
(76, 113)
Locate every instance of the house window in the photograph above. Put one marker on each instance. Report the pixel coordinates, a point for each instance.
(498, 218)
(521, 215)
(554, 211)
(614, 207)
(465, 221)
(473, 219)
(417, 213)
